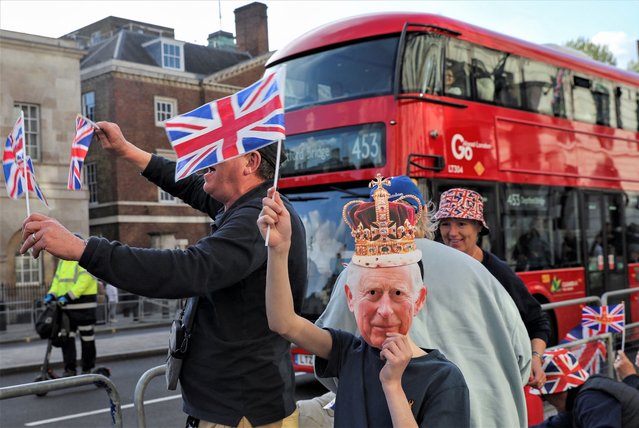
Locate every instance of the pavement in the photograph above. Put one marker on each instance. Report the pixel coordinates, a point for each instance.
(22, 350)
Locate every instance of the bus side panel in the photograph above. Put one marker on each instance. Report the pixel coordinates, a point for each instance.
(555, 286)
(534, 148)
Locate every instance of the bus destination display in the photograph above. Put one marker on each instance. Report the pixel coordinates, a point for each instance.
(340, 149)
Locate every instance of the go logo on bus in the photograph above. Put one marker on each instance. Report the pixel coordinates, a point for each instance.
(461, 148)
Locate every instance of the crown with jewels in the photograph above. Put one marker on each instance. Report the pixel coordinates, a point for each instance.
(384, 231)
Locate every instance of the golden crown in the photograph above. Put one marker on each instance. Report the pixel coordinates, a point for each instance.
(384, 230)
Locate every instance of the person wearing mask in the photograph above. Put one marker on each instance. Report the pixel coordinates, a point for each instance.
(468, 316)
(461, 222)
(386, 379)
(236, 370)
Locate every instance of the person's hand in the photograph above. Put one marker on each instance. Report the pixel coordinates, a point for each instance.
(48, 298)
(63, 300)
(537, 375)
(623, 366)
(397, 353)
(275, 215)
(40, 232)
(112, 139)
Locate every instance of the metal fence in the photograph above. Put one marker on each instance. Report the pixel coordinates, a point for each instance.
(20, 307)
(611, 340)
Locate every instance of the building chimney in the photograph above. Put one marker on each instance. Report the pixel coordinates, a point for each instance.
(251, 29)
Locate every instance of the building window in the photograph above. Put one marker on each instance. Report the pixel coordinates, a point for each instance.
(166, 197)
(31, 128)
(28, 270)
(96, 37)
(91, 181)
(88, 105)
(172, 56)
(165, 108)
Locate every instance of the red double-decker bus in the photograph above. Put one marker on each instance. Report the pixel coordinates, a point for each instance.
(549, 138)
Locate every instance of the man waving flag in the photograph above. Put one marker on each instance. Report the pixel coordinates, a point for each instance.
(84, 130)
(18, 167)
(223, 129)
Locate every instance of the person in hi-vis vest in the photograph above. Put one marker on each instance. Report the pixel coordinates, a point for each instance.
(76, 291)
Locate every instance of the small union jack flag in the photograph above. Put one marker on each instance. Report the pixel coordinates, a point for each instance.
(563, 372)
(591, 355)
(84, 130)
(223, 129)
(604, 319)
(13, 165)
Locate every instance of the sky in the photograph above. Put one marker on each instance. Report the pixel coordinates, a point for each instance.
(612, 23)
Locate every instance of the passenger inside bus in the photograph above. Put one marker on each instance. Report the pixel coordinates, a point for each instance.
(452, 85)
(532, 252)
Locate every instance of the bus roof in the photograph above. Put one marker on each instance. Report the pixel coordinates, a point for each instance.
(378, 24)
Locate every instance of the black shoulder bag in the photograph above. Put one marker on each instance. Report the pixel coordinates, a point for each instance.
(179, 337)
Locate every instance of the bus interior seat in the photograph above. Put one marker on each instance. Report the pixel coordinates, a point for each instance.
(485, 88)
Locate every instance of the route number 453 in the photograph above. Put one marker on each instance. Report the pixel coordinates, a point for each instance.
(366, 146)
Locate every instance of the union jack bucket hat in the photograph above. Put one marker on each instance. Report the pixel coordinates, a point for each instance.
(563, 372)
(462, 203)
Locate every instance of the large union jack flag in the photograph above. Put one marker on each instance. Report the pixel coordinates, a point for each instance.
(223, 129)
(84, 130)
(563, 372)
(591, 355)
(13, 165)
(604, 319)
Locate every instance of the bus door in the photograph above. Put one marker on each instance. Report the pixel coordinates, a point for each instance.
(606, 268)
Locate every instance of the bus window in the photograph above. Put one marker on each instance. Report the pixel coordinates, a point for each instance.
(632, 231)
(457, 73)
(353, 71)
(543, 90)
(499, 73)
(421, 64)
(566, 228)
(583, 103)
(592, 101)
(527, 228)
(627, 108)
(601, 93)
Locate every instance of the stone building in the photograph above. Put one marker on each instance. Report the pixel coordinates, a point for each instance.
(41, 77)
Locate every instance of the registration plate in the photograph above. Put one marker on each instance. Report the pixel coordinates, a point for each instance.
(304, 360)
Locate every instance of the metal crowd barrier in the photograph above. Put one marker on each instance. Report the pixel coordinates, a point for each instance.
(140, 388)
(70, 382)
(607, 337)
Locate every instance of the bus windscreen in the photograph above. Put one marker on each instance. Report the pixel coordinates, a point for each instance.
(339, 149)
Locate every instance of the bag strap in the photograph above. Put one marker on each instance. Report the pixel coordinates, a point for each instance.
(188, 313)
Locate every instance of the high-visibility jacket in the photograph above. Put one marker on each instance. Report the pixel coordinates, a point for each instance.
(72, 279)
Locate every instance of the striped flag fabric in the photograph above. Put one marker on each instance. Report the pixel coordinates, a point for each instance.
(13, 165)
(591, 355)
(229, 127)
(604, 319)
(563, 372)
(84, 129)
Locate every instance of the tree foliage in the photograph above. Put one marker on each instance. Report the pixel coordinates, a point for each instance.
(597, 52)
(633, 66)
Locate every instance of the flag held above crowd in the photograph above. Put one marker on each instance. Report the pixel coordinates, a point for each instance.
(604, 319)
(18, 167)
(221, 130)
(84, 129)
